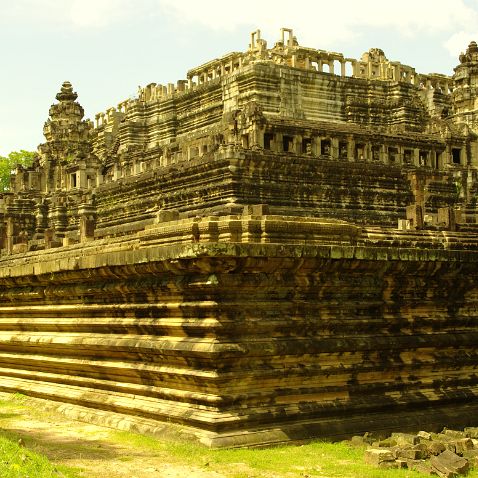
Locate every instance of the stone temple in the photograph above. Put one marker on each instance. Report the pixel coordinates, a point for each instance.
(282, 246)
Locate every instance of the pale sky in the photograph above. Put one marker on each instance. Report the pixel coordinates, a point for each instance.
(107, 48)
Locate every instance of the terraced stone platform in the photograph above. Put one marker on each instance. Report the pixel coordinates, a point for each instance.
(264, 252)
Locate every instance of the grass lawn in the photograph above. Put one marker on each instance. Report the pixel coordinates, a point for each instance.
(316, 459)
(18, 462)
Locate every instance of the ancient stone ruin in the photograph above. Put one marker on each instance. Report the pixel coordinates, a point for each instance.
(448, 454)
(282, 246)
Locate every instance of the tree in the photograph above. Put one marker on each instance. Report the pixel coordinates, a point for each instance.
(9, 163)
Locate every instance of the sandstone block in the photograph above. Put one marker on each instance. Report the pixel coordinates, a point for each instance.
(376, 456)
(436, 447)
(358, 441)
(405, 439)
(401, 463)
(471, 456)
(471, 432)
(453, 433)
(462, 445)
(449, 464)
(409, 452)
(424, 435)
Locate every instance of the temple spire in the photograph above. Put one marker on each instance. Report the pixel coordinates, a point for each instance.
(66, 93)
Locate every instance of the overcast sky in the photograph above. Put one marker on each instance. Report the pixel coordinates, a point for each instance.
(107, 48)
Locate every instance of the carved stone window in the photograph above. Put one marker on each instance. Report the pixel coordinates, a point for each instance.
(423, 158)
(307, 146)
(456, 155)
(325, 147)
(360, 151)
(376, 153)
(287, 143)
(268, 138)
(343, 150)
(393, 155)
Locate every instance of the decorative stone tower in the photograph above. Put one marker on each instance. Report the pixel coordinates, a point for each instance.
(66, 155)
(465, 92)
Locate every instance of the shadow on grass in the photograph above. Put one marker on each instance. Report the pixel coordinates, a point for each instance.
(63, 449)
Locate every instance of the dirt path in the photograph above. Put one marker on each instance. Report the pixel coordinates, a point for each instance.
(92, 448)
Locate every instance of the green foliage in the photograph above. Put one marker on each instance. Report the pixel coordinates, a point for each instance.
(9, 163)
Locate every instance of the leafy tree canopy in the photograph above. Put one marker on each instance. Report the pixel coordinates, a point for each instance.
(9, 163)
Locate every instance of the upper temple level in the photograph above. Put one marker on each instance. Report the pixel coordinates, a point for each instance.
(301, 130)
(318, 91)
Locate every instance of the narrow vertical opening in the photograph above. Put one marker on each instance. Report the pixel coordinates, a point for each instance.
(392, 155)
(325, 147)
(456, 155)
(343, 149)
(423, 158)
(287, 143)
(360, 151)
(376, 153)
(307, 146)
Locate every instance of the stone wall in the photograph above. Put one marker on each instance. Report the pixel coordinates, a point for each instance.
(281, 327)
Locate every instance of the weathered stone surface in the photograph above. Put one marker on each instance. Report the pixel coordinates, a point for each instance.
(223, 254)
(471, 432)
(358, 441)
(376, 456)
(405, 439)
(434, 456)
(436, 447)
(449, 465)
(462, 445)
(424, 436)
(471, 456)
(409, 453)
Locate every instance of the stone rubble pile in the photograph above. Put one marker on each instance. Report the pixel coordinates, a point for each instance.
(447, 454)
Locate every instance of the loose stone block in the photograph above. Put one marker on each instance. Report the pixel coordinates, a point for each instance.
(449, 465)
(376, 456)
(405, 439)
(436, 447)
(472, 457)
(425, 436)
(471, 432)
(463, 445)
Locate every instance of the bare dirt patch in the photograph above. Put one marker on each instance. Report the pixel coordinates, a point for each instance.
(90, 448)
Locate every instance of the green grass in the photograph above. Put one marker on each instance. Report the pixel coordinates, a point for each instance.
(316, 459)
(18, 462)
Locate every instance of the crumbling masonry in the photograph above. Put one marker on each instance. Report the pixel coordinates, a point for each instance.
(282, 246)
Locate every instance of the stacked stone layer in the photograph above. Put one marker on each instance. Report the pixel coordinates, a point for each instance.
(303, 339)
